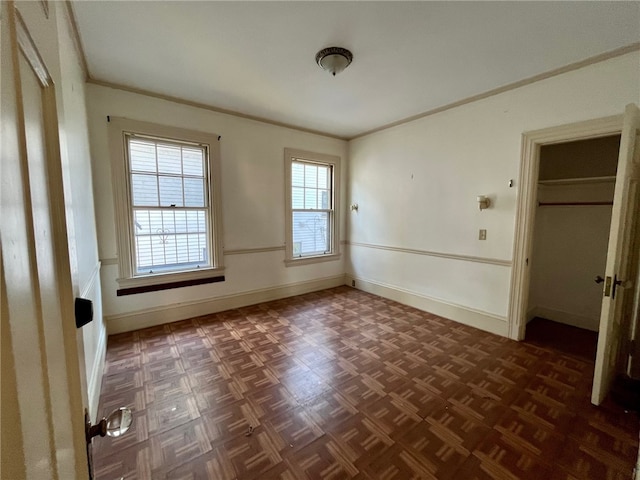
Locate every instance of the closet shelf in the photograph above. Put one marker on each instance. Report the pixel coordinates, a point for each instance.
(578, 181)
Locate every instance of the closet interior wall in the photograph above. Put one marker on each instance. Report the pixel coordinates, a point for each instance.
(571, 232)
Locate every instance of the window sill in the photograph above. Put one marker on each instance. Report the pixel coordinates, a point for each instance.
(165, 281)
(291, 262)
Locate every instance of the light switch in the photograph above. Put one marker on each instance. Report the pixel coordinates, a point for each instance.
(482, 235)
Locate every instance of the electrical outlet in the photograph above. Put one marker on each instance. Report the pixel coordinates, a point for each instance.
(482, 235)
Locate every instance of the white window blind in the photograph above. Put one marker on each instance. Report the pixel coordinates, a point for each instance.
(311, 208)
(170, 205)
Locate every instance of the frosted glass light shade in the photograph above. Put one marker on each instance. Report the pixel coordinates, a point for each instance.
(334, 59)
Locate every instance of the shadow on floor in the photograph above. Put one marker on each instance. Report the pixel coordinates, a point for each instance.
(571, 340)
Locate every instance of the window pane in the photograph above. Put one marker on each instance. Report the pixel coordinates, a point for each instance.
(169, 159)
(182, 249)
(145, 190)
(202, 224)
(297, 197)
(170, 191)
(168, 221)
(141, 222)
(323, 177)
(323, 199)
(142, 156)
(168, 175)
(170, 256)
(181, 221)
(195, 253)
(161, 242)
(297, 174)
(311, 233)
(192, 222)
(155, 221)
(194, 192)
(192, 162)
(310, 176)
(144, 260)
(310, 198)
(158, 243)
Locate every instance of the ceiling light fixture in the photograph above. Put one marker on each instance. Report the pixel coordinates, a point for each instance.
(334, 59)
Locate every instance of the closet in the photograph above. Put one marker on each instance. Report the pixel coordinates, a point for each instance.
(575, 196)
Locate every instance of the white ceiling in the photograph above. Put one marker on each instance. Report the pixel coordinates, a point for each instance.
(258, 58)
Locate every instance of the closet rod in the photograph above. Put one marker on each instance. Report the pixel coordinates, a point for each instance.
(560, 204)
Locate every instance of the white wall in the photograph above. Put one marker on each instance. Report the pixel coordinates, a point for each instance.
(416, 186)
(252, 161)
(569, 251)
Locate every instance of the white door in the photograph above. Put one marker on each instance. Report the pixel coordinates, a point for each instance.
(621, 269)
(42, 411)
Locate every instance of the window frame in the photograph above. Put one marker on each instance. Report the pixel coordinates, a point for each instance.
(292, 155)
(120, 129)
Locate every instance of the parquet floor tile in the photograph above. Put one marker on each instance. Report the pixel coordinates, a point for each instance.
(341, 384)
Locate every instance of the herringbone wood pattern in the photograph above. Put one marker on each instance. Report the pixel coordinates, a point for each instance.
(342, 384)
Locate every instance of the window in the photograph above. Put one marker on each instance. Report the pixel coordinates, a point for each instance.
(167, 204)
(312, 198)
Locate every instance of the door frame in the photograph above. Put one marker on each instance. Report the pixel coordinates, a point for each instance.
(526, 205)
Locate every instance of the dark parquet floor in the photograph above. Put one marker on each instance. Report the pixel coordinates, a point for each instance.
(342, 384)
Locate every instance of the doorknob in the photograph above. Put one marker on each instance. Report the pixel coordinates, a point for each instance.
(599, 279)
(116, 424)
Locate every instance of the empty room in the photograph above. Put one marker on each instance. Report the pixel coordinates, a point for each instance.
(320, 240)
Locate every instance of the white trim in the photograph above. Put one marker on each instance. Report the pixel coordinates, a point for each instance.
(633, 47)
(85, 291)
(248, 251)
(527, 203)
(119, 129)
(566, 318)
(109, 261)
(334, 161)
(618, 52)
(30, 51)
(312, 259)
(95, 377)
(150, 317)
(453, 256)
(486, 321)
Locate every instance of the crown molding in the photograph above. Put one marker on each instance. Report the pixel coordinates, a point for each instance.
(618, 52)
(77, 41)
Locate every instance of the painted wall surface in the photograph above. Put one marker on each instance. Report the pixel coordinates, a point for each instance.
(252, 168)
(569, 251)
(416, 185)
(594, 157)
(83, 242)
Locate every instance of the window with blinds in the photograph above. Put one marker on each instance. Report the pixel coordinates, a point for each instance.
(312, 208)
(312, 183)
(170, 205)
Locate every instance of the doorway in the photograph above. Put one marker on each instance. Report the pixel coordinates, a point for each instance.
(575, 188)
(621, 289)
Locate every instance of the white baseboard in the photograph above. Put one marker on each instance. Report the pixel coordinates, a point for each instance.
(95, 379)
(564, 317)
(151, 317)
(486, 321)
